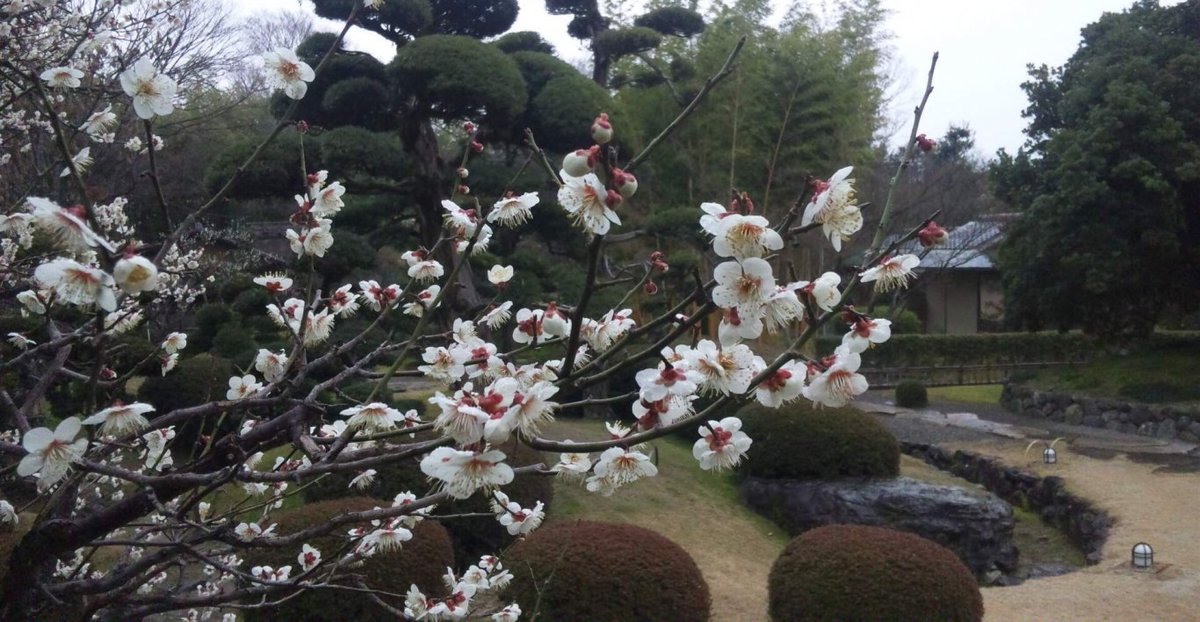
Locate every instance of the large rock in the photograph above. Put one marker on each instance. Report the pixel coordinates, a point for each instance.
(976, 526)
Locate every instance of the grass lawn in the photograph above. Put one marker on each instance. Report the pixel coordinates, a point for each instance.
(698, 510)
(1161, 376)
(972, 394)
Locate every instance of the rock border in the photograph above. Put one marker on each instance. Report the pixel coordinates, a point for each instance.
(1164, 422)
(1085, 525)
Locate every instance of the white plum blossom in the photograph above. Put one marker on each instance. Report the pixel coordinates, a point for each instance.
(327, 201)
(782, 386)
(573, 465)
(174, 342)
(783, 307)
(80, 161)
(529, 327)
(587, 201)
(734, 327)
(657, 384)
(343, 302)
(725, 371)
(744, 286)
(100, 122)
(464, 472)
(309, 557)
(737, 235)
(52, 453)
(825, 292)
(66, 225)
(268, 574)
(426, 270)
(387, 536)
(77, 284)
(721, 445)
(840, 383)
(444, 364)
(510, 613)
(242, 387)
(892, 272)
(832, 207)
(62, 77)
(8, 514)
(272, 365)
(499, 275)
(152, 92)
(517, 520)
(120, 419)
(498, 316)
(373, 417)
(288, 72)
(135, 274)
(618, 466)
(311, 240)
(275, 283)
(513, 211)
(363, 480)
(425, 298)
(865, 332)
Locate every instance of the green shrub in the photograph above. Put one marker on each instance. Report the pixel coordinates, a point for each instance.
(252, 303)
(585, 570)
(800, 442)
(209, 319)
(853, 572)
(1159, 392)
(197, 380)
(235, 342)
(936, 350)
(905, 322)
(421, 561)
(911, 394)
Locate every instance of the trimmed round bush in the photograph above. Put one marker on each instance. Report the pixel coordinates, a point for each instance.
(674, 21)
(421, 561)
(447, 71)
(586, 570)
(523, 41)
(197, 380)
(911, 394)
(800, 442)
(855, 572)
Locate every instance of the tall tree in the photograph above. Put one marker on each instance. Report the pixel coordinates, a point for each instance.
(1108, 180)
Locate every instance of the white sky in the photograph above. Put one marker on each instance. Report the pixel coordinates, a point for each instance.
(984, 46)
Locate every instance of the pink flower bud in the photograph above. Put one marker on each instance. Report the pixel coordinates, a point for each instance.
(613, 199)
(932, 235)
(626, 183)
(464, 189)
(302, 127)
(650, 288)
(579, 163)
(469, 127)
(924, 143)
(462, 172)
(108, 374)
(602, 130)
(476, 146)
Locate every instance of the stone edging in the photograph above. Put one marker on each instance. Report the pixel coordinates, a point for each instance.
(1165, 422)
(1085, 525)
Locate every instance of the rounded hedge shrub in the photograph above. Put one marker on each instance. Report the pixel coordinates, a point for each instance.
(800, 442)
(586, 570)
(421, 561)
(855, 572)
(197, 380)
(911, 394)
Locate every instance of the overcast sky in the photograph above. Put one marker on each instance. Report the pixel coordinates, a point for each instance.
(984, 47)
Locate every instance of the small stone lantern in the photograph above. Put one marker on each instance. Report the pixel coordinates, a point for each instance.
(1049, 456)
(1143, 556)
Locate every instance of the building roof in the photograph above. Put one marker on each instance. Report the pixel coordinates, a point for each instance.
(967, 246)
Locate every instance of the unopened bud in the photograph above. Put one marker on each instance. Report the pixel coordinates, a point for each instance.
(602, 130)
(932, 235)
(469, 127)
(626, 183)
(108, 374)
(462, 172)
(650, 288)
(476, 146)
(302, 127)
(579, 163)
(924, 143)
(464, 189)
(613, 199)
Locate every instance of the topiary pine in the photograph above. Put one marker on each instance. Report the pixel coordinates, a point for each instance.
(800, 442)
(911, 394)
(584, 570)
(855, 572)
(421, 561)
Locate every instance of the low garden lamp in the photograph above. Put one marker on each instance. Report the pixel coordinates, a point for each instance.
(1049, 456)
(1143, 556)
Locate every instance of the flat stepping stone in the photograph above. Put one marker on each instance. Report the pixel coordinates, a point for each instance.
(1140, 445)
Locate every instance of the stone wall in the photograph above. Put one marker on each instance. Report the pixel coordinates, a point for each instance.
(1085, 525)
(1166, 422)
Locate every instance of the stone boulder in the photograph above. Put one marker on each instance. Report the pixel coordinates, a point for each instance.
(978, 527)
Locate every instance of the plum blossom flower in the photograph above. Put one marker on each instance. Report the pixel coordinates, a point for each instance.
(586, 199)
(529, 326)
(248, 532)
(721, 445)
(80, 161)
(737, 235)
(725, 371)
(573, 465)
(77, 284)
(275, 283)
(8, 514)
(174, 343)
(782, 386)
(425, 298)
(840, 383)
(866, 331)
(744, 286)
(242, 387)
(343, 301)
(51, 453)
(151, 91)
(517, 520)
(62, 77)
(656, 384)
(498, 316)
(668, 410)
(464, 472)
(169, 362)
(782, 307)
(327, 201)
(387, 536)
(120, 419)
(272, 365)
(268, 574)
(734, 327)
(288, 72)
(531, 407)
(832, 207)
(618, 466)
(311, 240)
(65, 225)
(373, 417)
(444, 364)
(31, 303)
(309, 557)
(510, 613)
(135, 274)
(513, 211)
(99, 122)
(426, 270)
(824, 290)
(892, 273)
(499, 275)
(363, 480)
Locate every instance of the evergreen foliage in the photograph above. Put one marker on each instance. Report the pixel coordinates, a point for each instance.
(800, 442)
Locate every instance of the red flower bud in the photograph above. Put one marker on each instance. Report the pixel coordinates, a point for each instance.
(464, 189)
(476, 146)
(613, 198)
(302, 127)
(625, 183)
(602, 130)
(650, 288)
(932, 235)
(108, 374)
(462, 172)
(924, 143)
(469, 127)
